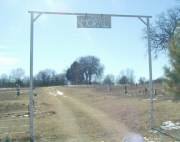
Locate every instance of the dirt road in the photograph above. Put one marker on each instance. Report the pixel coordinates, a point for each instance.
(75, 121)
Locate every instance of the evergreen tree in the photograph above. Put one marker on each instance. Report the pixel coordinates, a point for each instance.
(173, 72)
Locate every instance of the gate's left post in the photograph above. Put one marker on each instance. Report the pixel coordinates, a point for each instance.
(31, 94)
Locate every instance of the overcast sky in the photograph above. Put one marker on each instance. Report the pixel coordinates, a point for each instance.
(58, 42)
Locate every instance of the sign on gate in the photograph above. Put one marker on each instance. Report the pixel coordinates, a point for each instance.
(94, 21)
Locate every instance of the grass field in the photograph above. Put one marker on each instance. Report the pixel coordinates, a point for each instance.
(14, 114)
(85, 114)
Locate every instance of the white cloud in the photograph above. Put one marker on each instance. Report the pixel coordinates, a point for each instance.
(6, 61)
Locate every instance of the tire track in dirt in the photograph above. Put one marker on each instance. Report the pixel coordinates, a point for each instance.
(66, 128)
(94, 125)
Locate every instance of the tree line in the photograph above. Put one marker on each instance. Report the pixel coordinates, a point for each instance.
(47, 77)
(84, 70)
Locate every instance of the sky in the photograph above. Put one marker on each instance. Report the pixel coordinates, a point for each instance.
(58, 41)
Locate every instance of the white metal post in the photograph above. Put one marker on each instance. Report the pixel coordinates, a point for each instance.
(31, 94)
(150, 77)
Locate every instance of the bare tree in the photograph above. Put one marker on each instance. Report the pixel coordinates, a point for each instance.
(85, 70)
(142, 80)
(123, 80)
(60, 79)
(109, 80)
(17, 75)
(91, 67)
(126, 77)
(45, 77)
(162, 31)
(4, 80)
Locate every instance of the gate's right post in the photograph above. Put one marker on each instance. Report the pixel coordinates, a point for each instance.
(150, 77)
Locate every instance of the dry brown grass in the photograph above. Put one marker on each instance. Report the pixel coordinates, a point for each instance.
(12, 110)
(77, 121)
(128, 110)
(87, 114)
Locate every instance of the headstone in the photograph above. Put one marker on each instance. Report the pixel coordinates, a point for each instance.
(18, 89)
